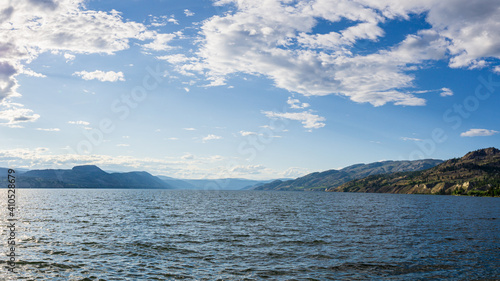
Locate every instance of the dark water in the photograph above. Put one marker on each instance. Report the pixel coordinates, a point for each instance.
(209, 235)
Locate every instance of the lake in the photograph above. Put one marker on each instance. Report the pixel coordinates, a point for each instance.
(95, 234)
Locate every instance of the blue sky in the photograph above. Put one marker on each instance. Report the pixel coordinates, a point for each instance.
(248, 89)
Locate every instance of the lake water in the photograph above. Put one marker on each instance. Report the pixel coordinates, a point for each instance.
(249, 235)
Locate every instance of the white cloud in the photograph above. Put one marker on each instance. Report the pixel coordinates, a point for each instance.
(48, 129)
(172, 20)
(29, 28)
(198, 167)
(308, 120)
(446, 92)
(162, 20)
(83, 123)
(160, 42)
(69, 57)
(211, 137)
(102, 76)
(123, 145)
(245, 170)
(247, 133)
(497, 69)
(295, 172)
(275, 39)
(32, 73)
(175, 59)
(14, 115)
(410, 139)
(188, 13)
(478, 133)
(296, 104)
(189, 129)
(472, 27)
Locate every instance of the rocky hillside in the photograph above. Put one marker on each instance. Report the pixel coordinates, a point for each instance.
(476, 173)
(330, 179)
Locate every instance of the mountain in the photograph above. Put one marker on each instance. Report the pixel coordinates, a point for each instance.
(176, 183)
(87, 176)
(321, 181)
(476, 173)
(212, 184)
(4, 171)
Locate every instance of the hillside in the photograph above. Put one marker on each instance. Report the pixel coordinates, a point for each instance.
(321, 181)
(87, 177)
(476, 173)
(211, 184)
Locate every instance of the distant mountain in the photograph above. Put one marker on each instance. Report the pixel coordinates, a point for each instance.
(224, 184)
(476, 173)
(321, 181)
(176, 183)
(4, 171)
(88, 176)
(259, 184)
(212, 184)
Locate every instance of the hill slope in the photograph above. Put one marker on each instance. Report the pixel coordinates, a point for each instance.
(333, 178)
(476, 173)
(87, 177)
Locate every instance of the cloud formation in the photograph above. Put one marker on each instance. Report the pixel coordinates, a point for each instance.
(478, 133)
(247, 133)
(446, 92)
(29, 28)
(48, 129)
(102, 76)
(186, 166)
(296, 104)
(211, 137)
(276, 39)
(79, 122)
(13, 115)
(308, 120)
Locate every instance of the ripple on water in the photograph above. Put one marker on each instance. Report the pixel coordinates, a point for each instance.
(211, 235)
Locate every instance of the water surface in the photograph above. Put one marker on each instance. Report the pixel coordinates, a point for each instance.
(93, 234)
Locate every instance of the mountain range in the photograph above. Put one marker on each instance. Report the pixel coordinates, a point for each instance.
(476, 173)
(212, 184)
(321, 181)
(90, 176)
(87, 176)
